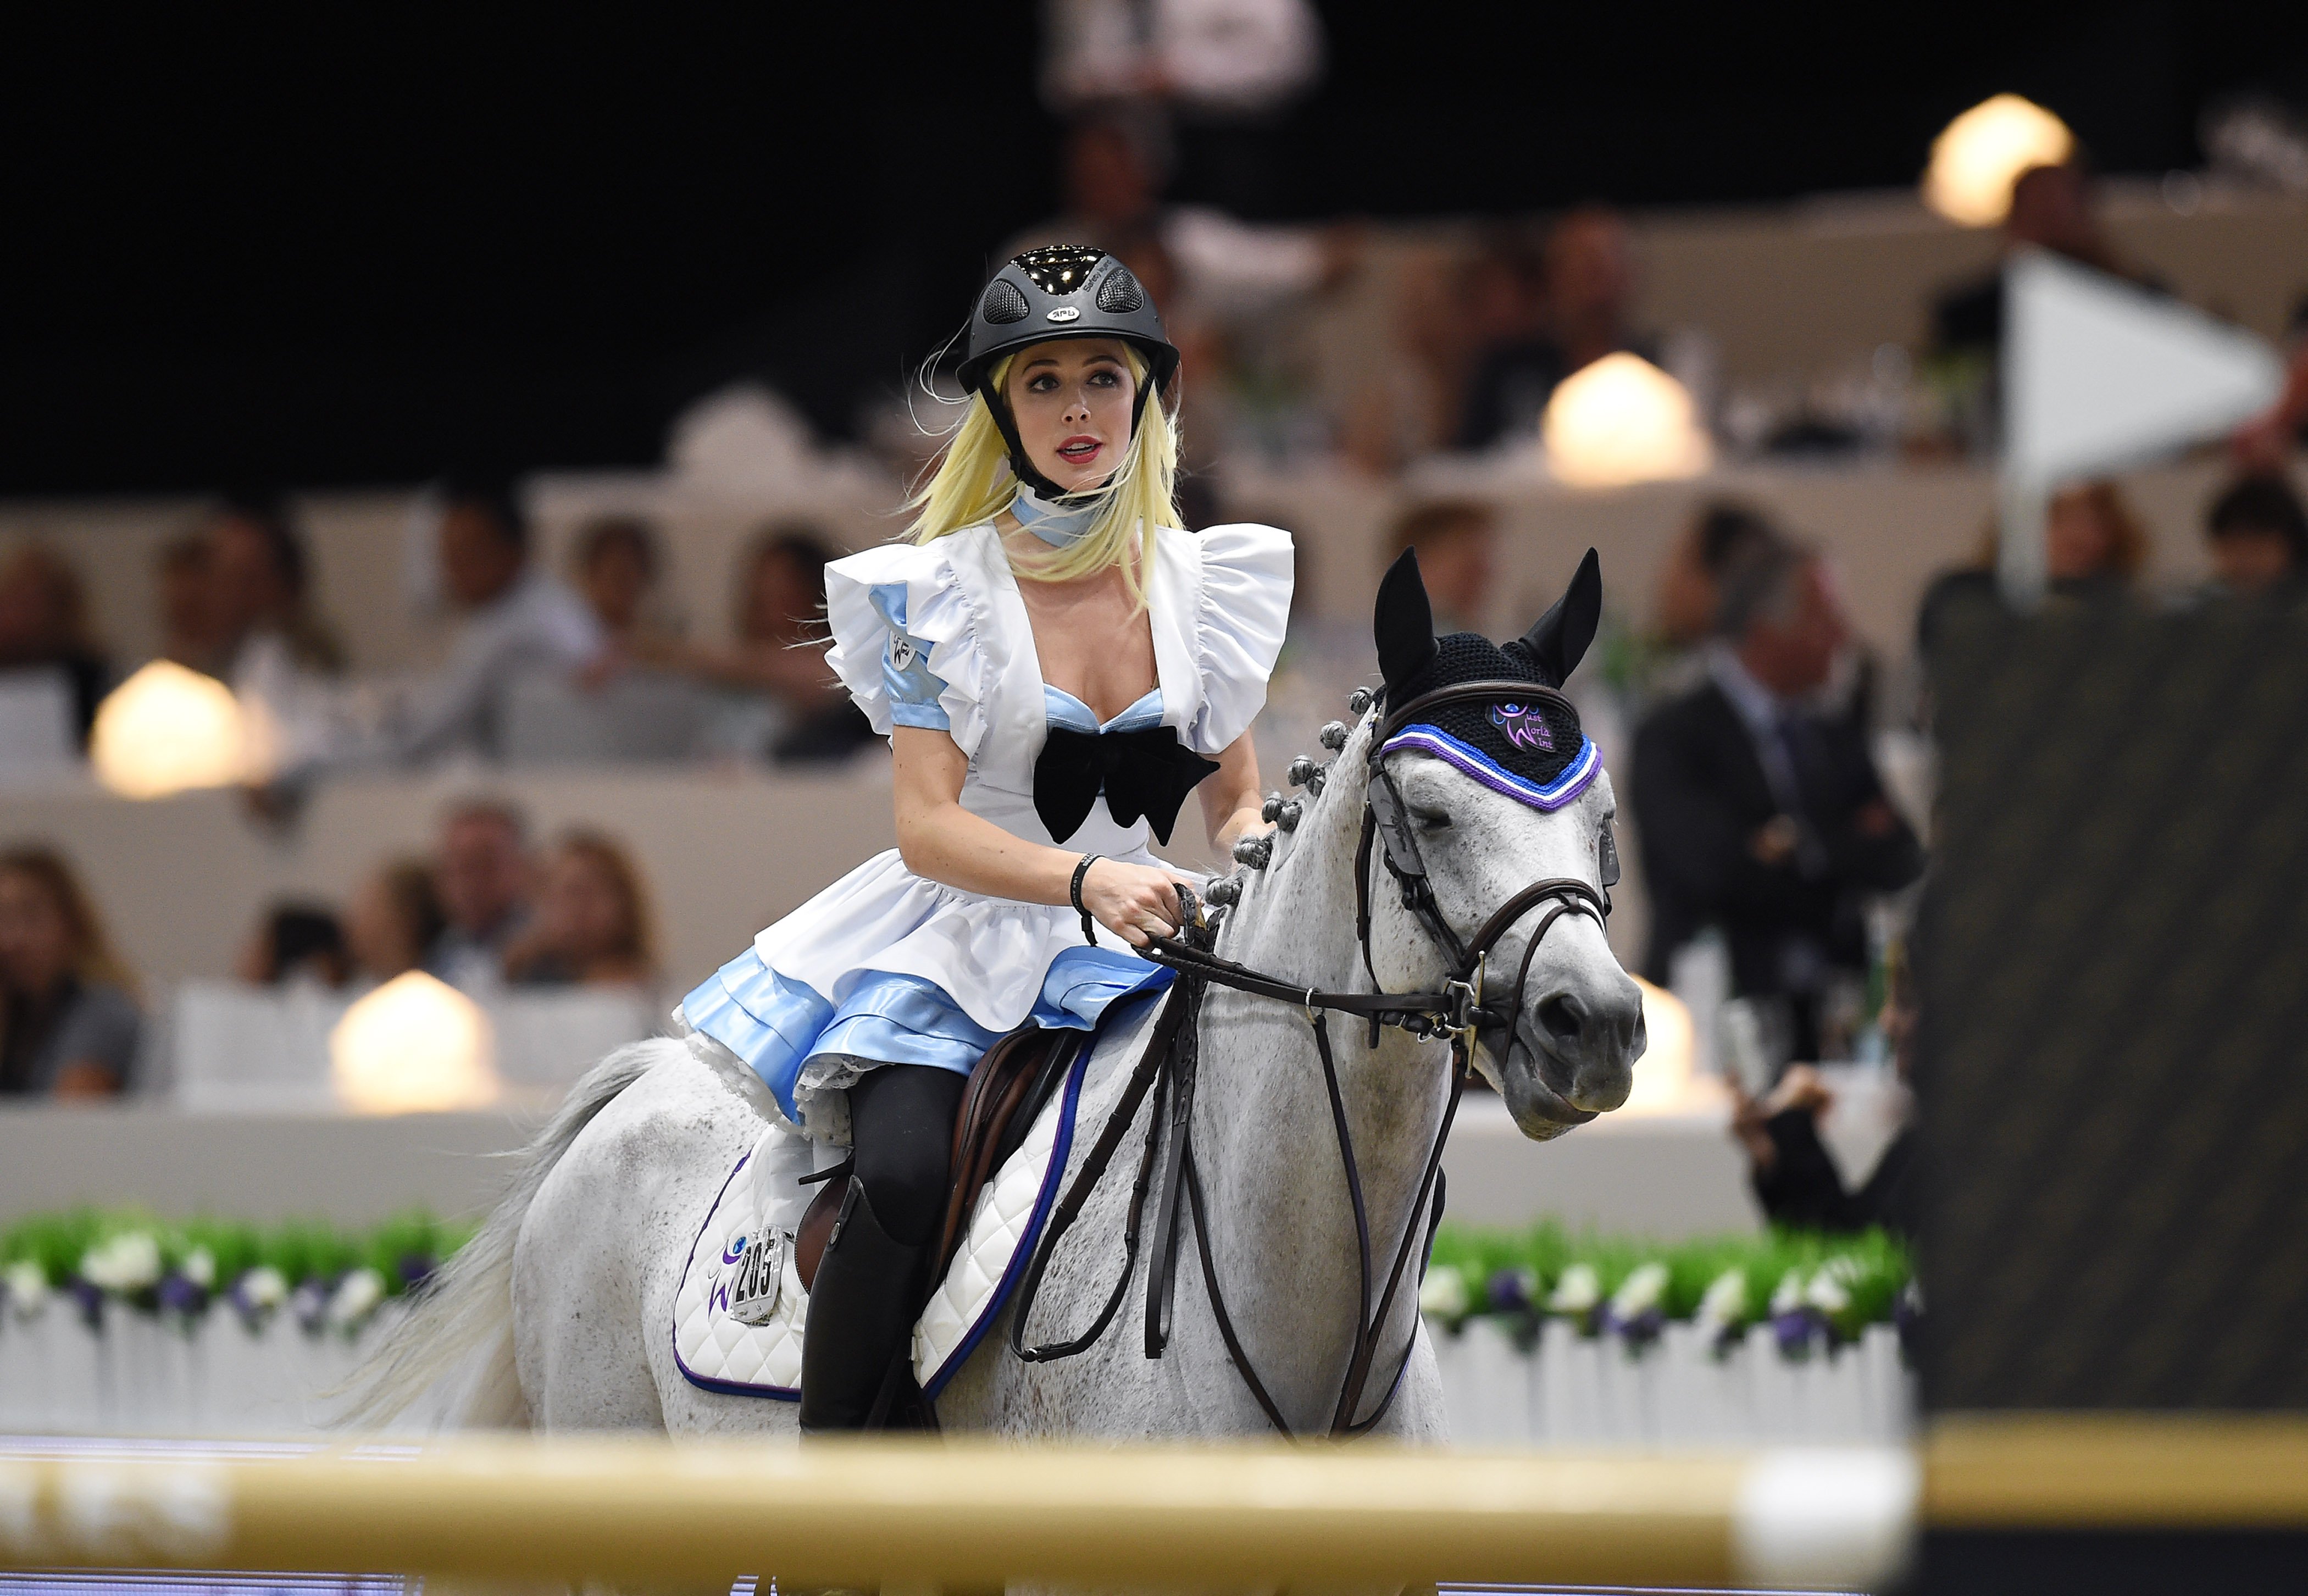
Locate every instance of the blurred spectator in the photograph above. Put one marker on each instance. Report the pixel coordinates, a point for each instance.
(2052, 208)
(1114, 164)
(1223, 70)
(1457, 541)
(2258, 536)
(188, 627)
(1761, 815)
(2094, 547)
(481, 873)
(2266, 441)
(780, 625)
(69, 1024)
(259, 579)
(44, 621)
(296, 941)
(1796, 1179)
(1540, 318)
(616, 564)
(395, 921)
(1721, 534)
(515, 620)
(593, 925)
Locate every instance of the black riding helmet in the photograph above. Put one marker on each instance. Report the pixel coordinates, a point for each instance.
(1067, 290)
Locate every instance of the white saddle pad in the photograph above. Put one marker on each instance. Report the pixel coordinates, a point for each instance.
(764, 1196)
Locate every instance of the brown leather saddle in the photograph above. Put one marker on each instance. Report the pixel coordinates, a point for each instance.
(1009, 1086)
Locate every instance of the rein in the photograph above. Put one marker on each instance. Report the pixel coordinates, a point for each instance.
(1170, 1067)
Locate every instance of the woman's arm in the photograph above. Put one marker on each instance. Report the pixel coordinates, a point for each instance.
(943, 842)
(1230, 800)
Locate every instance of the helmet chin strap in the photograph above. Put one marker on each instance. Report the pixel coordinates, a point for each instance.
(1051, 493)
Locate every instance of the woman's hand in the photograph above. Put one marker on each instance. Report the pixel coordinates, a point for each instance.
(1136, 902)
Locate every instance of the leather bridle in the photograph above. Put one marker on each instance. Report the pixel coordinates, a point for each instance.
(1169, 1070)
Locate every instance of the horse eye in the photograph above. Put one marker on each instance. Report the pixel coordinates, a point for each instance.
(1432, 820)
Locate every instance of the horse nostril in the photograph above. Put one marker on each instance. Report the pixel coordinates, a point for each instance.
(1562, 1017)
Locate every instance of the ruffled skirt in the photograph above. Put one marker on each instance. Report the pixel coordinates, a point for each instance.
(886, 967)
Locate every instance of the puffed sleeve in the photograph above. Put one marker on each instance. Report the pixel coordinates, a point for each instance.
(1244, 609)
(906, 641)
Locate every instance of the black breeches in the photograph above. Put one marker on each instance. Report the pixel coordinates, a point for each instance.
(902, 1129)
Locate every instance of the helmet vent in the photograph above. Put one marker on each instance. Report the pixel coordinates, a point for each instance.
(1120, 294)
(1003, 303)
(1062, 268)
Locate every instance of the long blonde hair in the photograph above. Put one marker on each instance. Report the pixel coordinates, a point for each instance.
(973, 483)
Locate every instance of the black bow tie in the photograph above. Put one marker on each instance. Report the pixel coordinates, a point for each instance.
(1147, 772)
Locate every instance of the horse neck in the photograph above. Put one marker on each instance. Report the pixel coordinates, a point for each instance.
(1267, 1133)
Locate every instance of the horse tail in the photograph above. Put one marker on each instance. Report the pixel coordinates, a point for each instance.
(459, 1322)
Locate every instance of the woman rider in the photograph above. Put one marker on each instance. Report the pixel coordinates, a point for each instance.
(1056, 665)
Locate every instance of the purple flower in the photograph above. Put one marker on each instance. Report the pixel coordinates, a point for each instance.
(182, 1296)
(90, 1299)
(417, 1268)
(1507, 1292)
(310, 1303)
(1793, 1330)
(1642, 1330)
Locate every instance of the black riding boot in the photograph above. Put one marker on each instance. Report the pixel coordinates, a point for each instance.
(861, 1316)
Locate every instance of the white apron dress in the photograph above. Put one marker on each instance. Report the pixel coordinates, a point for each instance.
(887, 967)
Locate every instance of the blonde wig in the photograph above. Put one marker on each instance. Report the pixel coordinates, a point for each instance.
(972, 484)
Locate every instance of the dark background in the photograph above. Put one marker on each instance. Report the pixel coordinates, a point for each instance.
(353, 250)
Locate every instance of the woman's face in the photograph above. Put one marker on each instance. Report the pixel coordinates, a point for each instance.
(35, 941)
(583, 913)
(1072, 401)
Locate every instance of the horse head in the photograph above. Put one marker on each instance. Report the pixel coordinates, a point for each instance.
(1491, 795)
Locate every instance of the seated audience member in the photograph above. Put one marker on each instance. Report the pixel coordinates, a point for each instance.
(1759, 814)
(1582, 294)
(1721, 534)
(593, 926)
(1458, 542)
(2258, 537)
(514, 618)
(2052, 208)
(188, 626)
(2267, 443)
(2093, 546)
(44, 621)
(1794, 1177)
(616, 564)
(260, 605)
(781, 626)
(296, 941)
(481, 875)
(395, 921)
(69, 1024)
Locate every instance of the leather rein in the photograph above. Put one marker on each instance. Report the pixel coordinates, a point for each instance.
(1169, 1070)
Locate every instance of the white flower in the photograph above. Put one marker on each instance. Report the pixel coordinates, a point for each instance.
(357, 1297)
(200, 1268)
(263, 1288)
(1576, 1294)
(1725, 1303)
(1826, 1293)
(1444, 1294)
(1639, 1293)
(128, 1262)
(1789, 1295)
(27, 1286)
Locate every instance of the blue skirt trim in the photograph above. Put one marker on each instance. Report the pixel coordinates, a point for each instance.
(777, 1025)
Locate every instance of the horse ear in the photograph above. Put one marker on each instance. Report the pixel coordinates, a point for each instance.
(1559, 640)
(1403, 624)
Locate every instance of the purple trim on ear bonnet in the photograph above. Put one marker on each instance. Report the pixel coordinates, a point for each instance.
(1574, 779)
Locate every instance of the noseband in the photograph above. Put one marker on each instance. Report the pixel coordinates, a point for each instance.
(1169, 1069)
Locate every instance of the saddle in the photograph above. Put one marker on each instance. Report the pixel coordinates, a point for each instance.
(1009, 1086)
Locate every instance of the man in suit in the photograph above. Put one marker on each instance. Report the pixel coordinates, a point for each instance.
(1759, 813)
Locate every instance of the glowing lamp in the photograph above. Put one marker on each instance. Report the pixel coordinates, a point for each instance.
(414, 1046)
(166, 729)
(1663, 1075)
(1620, 420)
(1977, 156)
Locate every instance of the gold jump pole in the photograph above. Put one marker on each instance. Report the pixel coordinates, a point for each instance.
(954, 1513)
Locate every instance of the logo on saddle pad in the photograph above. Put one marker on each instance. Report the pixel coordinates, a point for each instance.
(1523, 726)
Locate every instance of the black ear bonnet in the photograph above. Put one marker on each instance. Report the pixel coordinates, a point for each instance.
(1067, 290)
(1533, 750)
